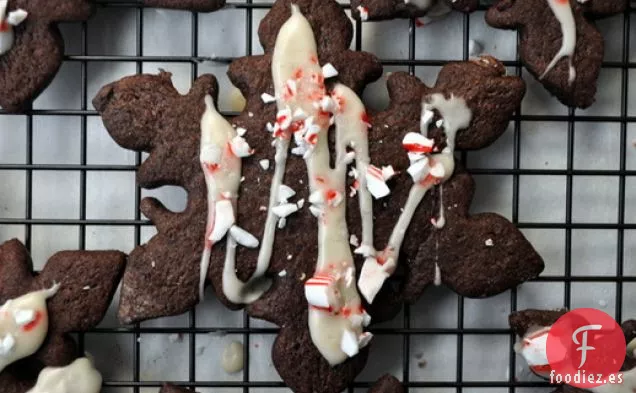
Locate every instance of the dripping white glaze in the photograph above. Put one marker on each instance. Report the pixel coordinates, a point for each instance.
(336, 316)
(24, 324)
(7, 23)
(438, 168)
(441, 219)
(78, 377)
(220, 156)
(564, 14)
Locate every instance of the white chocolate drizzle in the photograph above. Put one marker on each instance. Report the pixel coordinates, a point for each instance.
(564, 14)
(427, 170)
(7, 23)
(336, 315)
(24, 324)
(78, 377)
(220, 155)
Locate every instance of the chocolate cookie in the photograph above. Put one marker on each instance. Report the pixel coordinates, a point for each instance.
(71, 294)
(531, 326)
(482, 255)
(389, 9)
(31, 47)
(386, 384)
(193, 5)
(560, 44)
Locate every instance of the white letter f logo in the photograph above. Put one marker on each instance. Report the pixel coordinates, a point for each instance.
(584, 347)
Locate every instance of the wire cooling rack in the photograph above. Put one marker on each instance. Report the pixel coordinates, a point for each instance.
(565, 177)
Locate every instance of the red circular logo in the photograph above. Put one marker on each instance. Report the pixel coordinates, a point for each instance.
(584, 347)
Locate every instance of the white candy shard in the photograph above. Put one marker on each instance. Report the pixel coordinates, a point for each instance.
(240, 147)
(489, 243)
(281, 223)
(268, 98)
(364, 339)
(241, 131)
(315, 211)
(329, 71)
(366, 319)
(388, 172)
(439, 123)
(285, 209)
(243, 237)
(349, 343)
(16, 17)
(321, 291)
(264, 164)
(365, 250)
(376, 182)
(23, 317)
(300, 203)
(372, 277)
(223, 220)
(418, 169)
(284, 193)
(353, 240)
(282, 273)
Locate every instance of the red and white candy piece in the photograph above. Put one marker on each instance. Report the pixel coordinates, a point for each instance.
(364, 13)
(321, 291)
(14, 18)
(376, 182)
(419, 169)
(284, 118)
(240, 147)
(373, 275)
(414, 142)
(533, 349)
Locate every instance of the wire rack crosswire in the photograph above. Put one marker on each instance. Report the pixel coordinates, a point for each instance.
(462, 337)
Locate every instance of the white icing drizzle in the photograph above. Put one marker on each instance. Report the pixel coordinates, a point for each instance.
(563, 12)
(221, 152)
(441, 219)
(78, 377)
(24, 324)
(431, 170)
(336, 316)
(14, 18)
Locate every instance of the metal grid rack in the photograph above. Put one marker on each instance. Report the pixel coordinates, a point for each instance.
(406, 332)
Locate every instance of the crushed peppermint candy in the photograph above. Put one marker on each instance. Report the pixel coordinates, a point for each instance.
(376, 183)
(364, 13)
(353, 240)
(282, 273)
(281, 223)
(489, 243)
(285, 209)
(268, 98)
(241, 131)
(329, 71)
(240, 147)
(300, 203)
(264, 164)
(289, 257)
(243, 237)
(23, 317)
(284, 193)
